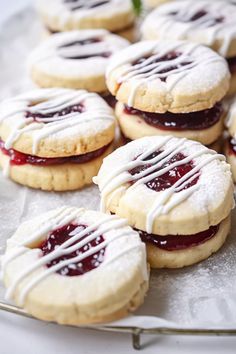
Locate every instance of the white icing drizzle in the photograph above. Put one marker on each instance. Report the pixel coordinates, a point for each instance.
(51, 101)
(165, 22)
(79, 238)
(169, 198)
(147, 71)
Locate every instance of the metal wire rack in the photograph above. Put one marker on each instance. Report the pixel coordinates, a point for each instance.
(136, 332)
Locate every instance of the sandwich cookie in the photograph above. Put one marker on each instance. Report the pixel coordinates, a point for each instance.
(169, 87)
(176, 193)
(75, 59)
(55, 139)
(75, 266)
(208, 22)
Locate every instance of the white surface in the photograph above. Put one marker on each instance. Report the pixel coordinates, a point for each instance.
(29, 336)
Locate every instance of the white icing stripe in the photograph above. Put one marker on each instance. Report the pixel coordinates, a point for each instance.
(181, 26)
(83, 4)
(79, 238)
(51, 101)
(169, 198)
(149, 70)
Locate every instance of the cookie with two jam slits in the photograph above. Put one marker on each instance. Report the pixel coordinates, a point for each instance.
(76, 266)
(55, 139)
(67, 15)
(176, 193)
(75, 59)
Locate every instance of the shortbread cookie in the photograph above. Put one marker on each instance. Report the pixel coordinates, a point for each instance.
(170, 190)
(64, 15)
(75, 266)
(208, 22)
(186, 187)
(174, 76)
(203, 126)
(74, 59)
(56, 123)
(52, 174)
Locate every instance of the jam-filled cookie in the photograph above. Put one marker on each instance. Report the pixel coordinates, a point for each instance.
(208, 22)
(169, 87)
(75, 59)
(66, 15)
(75, 266)
(55, 139)
(230, 144)
(176, 193)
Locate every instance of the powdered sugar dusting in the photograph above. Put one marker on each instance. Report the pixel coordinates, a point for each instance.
(203, 292)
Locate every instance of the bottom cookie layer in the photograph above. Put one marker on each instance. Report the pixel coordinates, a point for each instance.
(68, 176)
(160, 258)
(134, 127)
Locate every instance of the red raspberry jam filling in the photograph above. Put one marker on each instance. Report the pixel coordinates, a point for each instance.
(169, 57)
(232, 146)
(59, 236)
(19, 158)
(178, 242)
(232, 64)
(88, 6)
(180, 121)
(110, 99)
(78, 108)
(199, 14)
(84, 42)
(169, 178)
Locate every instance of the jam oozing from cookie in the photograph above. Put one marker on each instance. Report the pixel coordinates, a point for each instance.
(38, 117)
(232, 146)
(88, 4)
(169, 178)
(59, 237)
(206, 19)
(178, 242)
(180, 121)
(76, 45)
(169, 58)
(232, 64)
(18, 158)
